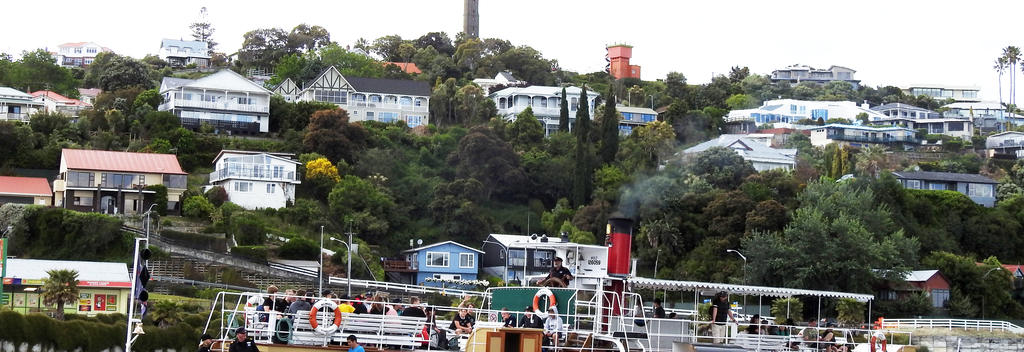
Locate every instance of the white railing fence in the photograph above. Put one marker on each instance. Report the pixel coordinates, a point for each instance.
(950, 324)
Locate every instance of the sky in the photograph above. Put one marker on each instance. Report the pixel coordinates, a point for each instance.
(893, 42)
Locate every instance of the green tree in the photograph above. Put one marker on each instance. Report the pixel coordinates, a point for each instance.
(150, 98)
(563, 113)
(609, 131)
(307, 38)
(483, 156)
(741, 101)
(526, 132)
(124, 72)
(583, 177)
(263, 47)
(197, 207)
(472, 106)
(60, 287)
(363, 204)
(330, 134)
(203, 31)
(872, 160)
(648, 146)
(721, 167)
(159, 198)
(38, 70)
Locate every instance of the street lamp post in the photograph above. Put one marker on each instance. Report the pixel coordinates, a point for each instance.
(320, 256)
(744, 272)
(348, 248)
(983, 296)
(148, 212)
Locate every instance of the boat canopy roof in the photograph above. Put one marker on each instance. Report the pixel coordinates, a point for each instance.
(672, 285)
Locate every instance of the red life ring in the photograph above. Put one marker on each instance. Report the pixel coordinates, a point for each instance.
(316, 308)
(543, 314)
(875, 339)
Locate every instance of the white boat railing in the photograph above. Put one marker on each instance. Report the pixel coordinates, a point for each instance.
(950, 324)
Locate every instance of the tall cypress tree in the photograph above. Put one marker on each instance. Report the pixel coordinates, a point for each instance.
(563, 115)
(583, 182)
(609, 130)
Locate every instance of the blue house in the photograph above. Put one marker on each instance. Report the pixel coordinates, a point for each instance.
(448, 260)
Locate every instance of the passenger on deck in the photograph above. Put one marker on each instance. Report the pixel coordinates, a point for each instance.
(359, 307)
(552, 327)
(463, 323)
(299, 304)
(755, 328)
(353, 344)
(559, 276)
(346, 305)
(434, 330)
(413, 310)
(721, 312)
(530, 320)
(509, 319)
(243, 343)
(829, 340)
(205, 342)
(659, 311)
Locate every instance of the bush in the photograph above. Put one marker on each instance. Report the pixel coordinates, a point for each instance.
(851, 312)
(197, 207)
(780, 306)
(298, 248)
(81, 236)
(195, 240)
(92, 334)
(249, 228)
(217, 195)
(257, 254)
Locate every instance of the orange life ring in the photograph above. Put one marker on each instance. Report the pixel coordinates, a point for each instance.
(543, 314)
(312, 315)
(875, 339)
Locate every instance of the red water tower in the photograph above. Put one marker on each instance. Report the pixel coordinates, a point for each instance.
(618, 62)
(620, 242)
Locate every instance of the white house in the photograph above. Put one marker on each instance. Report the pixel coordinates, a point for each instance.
(224, 100)
(898, 114)
(792, 110)
(16, 105)
(79, 54)
(256, 180)
(943, 92)
(1008, 144)
(366, 99)
(56, 103)
(503, 78)
(754, 148)
(802, 73)
(857, 135)
(545, 102)
(181, 53)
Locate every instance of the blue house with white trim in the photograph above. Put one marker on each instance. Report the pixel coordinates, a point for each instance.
(447, 260)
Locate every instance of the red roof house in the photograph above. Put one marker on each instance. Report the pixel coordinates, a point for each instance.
(117, 182)
(25, 190)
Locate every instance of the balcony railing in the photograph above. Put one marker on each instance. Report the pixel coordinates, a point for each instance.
(13, 116)
(225, 105)
(235, 126)
(378, 105)
(868, 139)
(399, 265)
(537, 110)
(262, 174)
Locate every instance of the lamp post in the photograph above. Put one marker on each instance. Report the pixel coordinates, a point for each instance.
(348, 248)
(983, 296)
(147, 213)
(744, 272)
(320, 256)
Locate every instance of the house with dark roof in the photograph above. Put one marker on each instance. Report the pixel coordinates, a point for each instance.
(905, 115)
(980, 189)
(365, 99)
(225, 101)
(115, 182)
(802, 73)
(25, 190)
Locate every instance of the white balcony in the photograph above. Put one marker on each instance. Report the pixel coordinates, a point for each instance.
(537, 111)
(250, 173)
(226, 106)
(11, 116)
(385, 106)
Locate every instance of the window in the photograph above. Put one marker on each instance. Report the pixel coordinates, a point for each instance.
(83, 201)
(213, 98)
(575, 104)
(390, 99)
(117, 180)
(81, 179)
(245, 100)
(388, 116)
(456, 277)
(437, 276)
(375, 98)
(913, 184)
(330, 96)
(175, 181)
(271, 188)
(543, 258)
(405, 101)
(979, 190)
(438, 259)
(421, 102)
(369, 115)
(78, 50)
(243, 186)
(90, 50)
(937, 186)
(278, 171)
(939, 298)
(466, 260)
(414, 120)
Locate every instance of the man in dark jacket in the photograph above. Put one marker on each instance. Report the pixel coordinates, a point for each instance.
(414, 310)
(243, 343)
(531, 320)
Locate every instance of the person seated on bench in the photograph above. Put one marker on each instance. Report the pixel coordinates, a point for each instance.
(346, 305)
(434, 330)
(552, 327)
(530, 320)
(508, 318)
(463, 323)
(754, 328)
(300, 304)
(413, 310)
(559, 276)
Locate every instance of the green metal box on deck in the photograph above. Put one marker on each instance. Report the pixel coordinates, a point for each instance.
(517, 298)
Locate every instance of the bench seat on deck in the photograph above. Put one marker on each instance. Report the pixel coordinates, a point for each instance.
(370, 329)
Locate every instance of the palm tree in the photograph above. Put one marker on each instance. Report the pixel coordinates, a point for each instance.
(1012, 55)
(61, 287)
(1000, 67)
(871, 160)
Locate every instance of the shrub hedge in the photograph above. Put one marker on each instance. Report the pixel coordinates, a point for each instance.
(92, 334)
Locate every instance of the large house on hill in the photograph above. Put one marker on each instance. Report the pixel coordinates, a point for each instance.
(225, 101)
(115, 182)
(365, 99)
(256, 180)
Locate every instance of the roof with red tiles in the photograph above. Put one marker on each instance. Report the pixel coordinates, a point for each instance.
(408, 67)
(25, 186)
(59, 98)
(102, 160)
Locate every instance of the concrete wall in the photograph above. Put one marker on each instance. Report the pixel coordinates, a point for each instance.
(969, 344)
